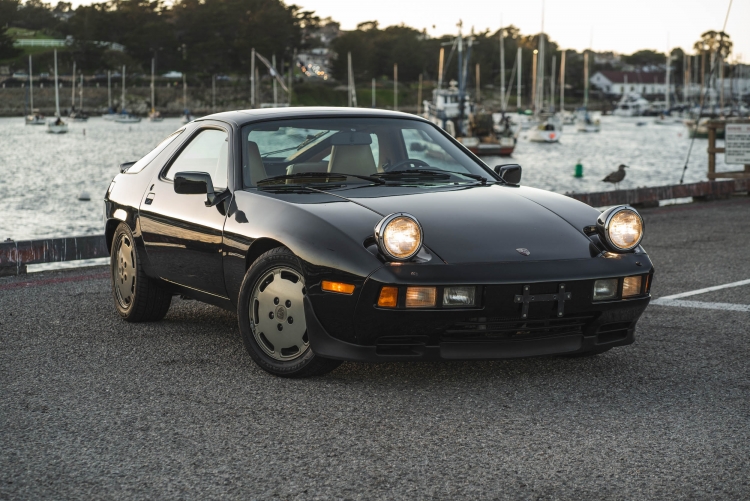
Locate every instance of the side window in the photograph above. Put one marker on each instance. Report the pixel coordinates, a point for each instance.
(207, 152)
(143, 162)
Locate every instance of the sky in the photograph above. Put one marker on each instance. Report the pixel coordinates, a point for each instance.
(623, 26)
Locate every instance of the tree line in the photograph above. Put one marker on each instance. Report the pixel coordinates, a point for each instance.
(205, 37)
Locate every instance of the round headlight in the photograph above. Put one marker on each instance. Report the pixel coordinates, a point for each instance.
(399, 236)
(623, 228)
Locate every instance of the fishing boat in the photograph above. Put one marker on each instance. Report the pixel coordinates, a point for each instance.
(57, 126)
(124, 117)
(548, 131)
(699, 128)
(154, 116)
(36, 117)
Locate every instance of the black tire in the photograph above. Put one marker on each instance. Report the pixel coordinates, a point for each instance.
(590, 353)
(301, 363)
(138, 298)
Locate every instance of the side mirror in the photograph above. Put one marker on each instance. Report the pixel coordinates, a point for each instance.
(509, 173)
(124, 167)
(193, 183)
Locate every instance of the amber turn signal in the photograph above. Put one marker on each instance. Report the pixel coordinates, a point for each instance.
(631, 286)
(388, 297)
(339, 287)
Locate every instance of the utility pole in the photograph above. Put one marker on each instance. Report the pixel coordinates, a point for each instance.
(586, 79)
(373, 92)
(533, 80)
(552, 84)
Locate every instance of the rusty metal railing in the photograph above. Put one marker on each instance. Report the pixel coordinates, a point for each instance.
(15, 256)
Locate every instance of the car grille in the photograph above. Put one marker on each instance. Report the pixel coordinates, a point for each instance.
(494, 329)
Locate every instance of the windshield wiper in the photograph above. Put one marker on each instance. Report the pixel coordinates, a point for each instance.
(301, 145)
(434, 174)
(325, 177)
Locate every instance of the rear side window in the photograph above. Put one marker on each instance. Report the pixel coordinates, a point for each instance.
(143, 162)
(207, 152)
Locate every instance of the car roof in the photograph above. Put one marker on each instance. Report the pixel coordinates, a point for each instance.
(242, 117)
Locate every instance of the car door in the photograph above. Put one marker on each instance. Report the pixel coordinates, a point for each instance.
(183, 237)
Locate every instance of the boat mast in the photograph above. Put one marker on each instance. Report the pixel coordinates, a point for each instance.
(666, 90)
(80, 93)
(552, 84)
(502, 64)
(73, 89)
(57, 90)
(540, 69)
(586, 79)
(518, 81)
(184, 92)
(562, 81)
(152, 86)
(122, 99)
(109, 91)
(31, 87)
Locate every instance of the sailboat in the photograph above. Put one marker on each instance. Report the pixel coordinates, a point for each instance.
(584, 122)
(154, 116)
(549, 129)
(57, 126)
(35, 118)
(80, 115)
(110, 115)
(187, 117)
(124, 117)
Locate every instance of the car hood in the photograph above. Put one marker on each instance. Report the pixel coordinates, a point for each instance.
(477, 224)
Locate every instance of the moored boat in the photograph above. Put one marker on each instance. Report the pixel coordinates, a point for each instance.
(57, 126)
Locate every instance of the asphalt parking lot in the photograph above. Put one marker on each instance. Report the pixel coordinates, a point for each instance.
(92, 407)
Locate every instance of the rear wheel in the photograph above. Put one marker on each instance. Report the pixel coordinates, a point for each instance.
(271, 315)
(138, 298)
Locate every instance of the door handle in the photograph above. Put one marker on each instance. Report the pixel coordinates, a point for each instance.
(149, 198)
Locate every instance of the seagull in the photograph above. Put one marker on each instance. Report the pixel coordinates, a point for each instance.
(616, 176)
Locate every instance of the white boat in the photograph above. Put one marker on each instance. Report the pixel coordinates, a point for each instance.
(567, 118)
(549, 131)
(124, 117)
(631, 105)
(109, 116)
(127, 118)
(585, 122)
(57, 126)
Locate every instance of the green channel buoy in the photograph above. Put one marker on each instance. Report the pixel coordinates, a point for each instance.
(579, 169)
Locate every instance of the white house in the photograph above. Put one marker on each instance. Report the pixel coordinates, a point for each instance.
(619, 82)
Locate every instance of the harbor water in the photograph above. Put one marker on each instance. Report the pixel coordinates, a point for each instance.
(42, 175)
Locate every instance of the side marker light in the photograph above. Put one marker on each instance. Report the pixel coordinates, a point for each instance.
(339, 287)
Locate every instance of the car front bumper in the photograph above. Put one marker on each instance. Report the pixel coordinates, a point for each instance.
(495, 328)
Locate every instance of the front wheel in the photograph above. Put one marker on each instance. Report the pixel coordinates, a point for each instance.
(271, 316)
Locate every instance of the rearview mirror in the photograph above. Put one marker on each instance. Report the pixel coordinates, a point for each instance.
(193, 183)
(124, 167)
(509, 173)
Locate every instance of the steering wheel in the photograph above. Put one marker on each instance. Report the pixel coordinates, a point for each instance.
(415, 164)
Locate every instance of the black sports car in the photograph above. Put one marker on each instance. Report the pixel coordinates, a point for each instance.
(348, 234)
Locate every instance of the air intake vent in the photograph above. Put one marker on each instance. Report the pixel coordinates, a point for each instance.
(494, 329)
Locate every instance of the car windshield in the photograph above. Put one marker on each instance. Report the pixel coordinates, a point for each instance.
(353, 150)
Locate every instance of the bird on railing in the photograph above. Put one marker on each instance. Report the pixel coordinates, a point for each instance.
(616, 176)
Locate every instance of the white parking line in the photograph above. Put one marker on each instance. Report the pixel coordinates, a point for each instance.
(674, 299)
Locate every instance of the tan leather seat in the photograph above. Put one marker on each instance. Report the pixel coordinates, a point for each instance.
(352, 159)
(254, 169)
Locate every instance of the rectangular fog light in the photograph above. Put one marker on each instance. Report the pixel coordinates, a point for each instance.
(631, 286)
(420, 297)
(459, 295)
(605, 289)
